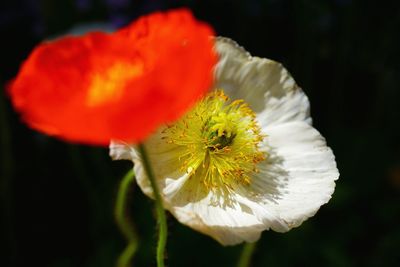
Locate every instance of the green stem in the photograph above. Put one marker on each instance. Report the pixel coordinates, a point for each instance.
(124, 223)
(247, 253)
(161, 217)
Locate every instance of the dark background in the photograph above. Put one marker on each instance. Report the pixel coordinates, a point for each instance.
(57, 199)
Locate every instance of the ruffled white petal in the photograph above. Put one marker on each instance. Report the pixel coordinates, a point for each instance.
(230, 219)
(263, 83)
(300, 174)
(121, 151)
(229, 225)
(173, 186)
(164, 159)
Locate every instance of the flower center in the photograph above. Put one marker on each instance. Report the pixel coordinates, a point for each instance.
(218, 141)
(220, 131)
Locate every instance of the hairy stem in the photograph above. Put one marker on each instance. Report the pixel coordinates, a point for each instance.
(247, 253)
(124, 223)
(161, 217)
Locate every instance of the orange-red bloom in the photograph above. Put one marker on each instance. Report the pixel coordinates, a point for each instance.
(100, 86)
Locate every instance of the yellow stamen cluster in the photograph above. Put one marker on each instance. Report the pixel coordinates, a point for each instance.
(218, 141)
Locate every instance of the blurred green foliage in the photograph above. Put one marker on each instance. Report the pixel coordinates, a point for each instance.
(57, 198)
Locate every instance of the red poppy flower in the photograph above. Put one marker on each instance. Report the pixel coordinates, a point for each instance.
(120, 85)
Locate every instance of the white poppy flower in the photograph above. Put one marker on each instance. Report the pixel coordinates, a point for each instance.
(245, 159)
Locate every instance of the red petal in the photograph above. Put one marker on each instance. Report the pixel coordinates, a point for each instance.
(97, 87)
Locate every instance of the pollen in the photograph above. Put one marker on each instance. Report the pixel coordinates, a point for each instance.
(218, 142)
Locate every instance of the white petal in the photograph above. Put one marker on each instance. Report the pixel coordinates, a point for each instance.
(172, 186)
(164, 159)
(141, 178)
(299, 175)
(120, 150)
(263, 83)
(229, 224)
(230, 219)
